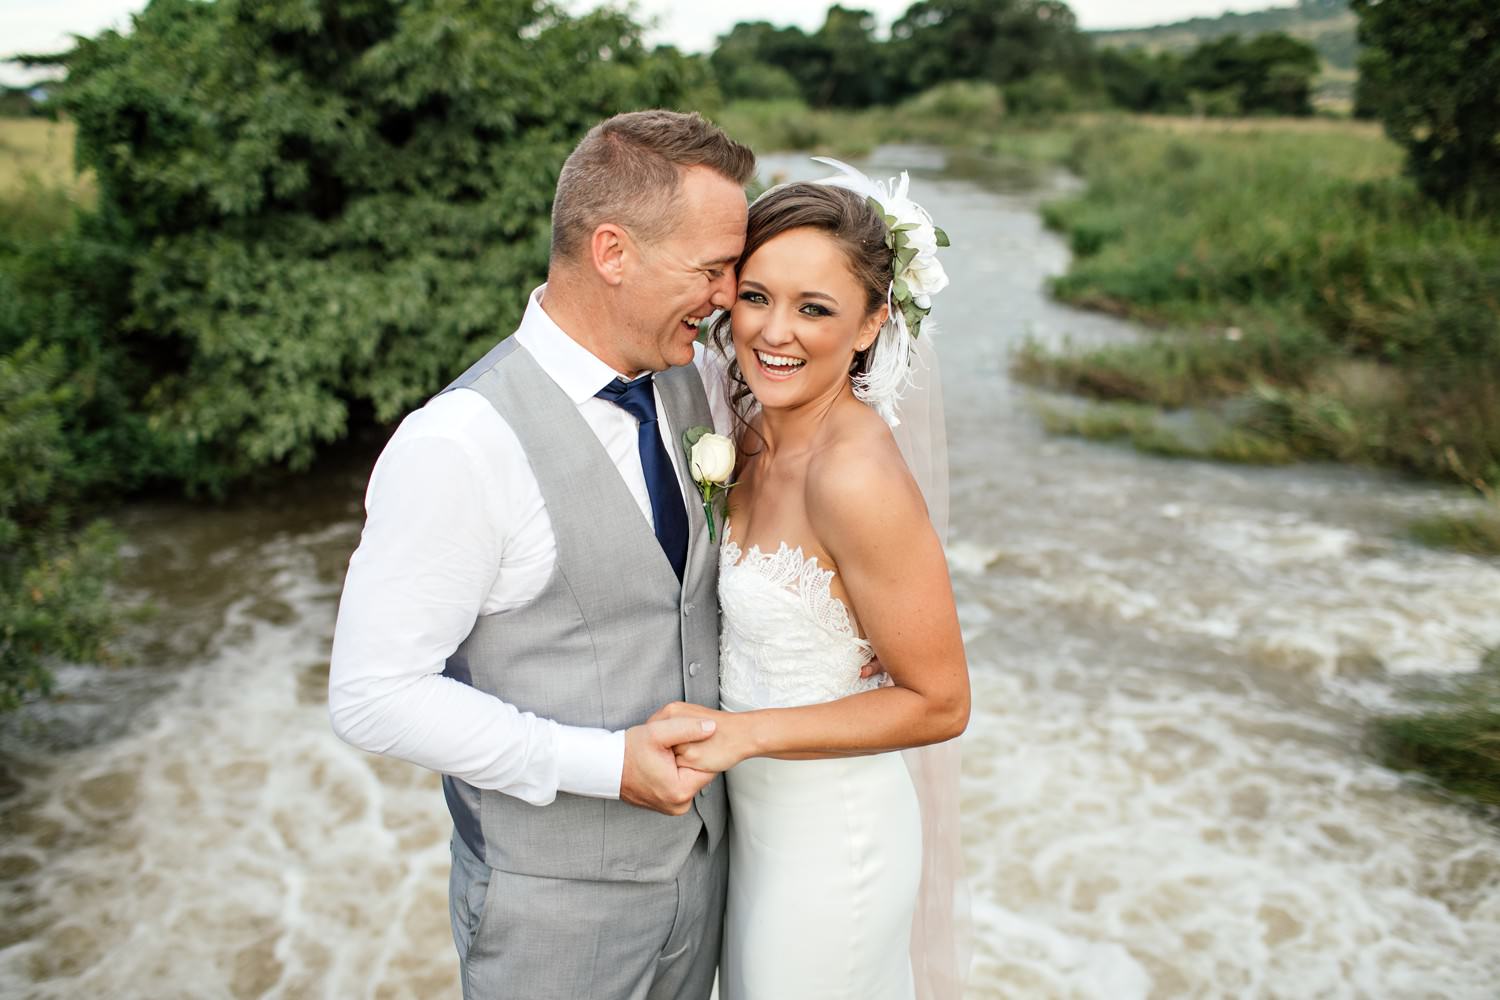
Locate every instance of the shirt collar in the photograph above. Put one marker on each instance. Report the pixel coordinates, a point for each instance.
(575, 369)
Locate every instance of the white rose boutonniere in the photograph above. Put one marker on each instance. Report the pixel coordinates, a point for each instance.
(710, 463)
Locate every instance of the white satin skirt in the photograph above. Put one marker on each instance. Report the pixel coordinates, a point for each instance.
(824, 862)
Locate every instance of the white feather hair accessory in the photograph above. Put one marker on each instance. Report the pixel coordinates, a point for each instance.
(913, 240)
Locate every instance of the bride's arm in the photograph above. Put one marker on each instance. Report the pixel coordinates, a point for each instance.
(869, 515)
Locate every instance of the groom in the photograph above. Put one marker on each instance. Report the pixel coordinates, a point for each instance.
(532, 584)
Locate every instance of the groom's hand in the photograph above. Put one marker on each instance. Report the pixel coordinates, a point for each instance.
(652, 779)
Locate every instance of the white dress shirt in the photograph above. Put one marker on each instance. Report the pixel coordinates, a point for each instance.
(456, 528)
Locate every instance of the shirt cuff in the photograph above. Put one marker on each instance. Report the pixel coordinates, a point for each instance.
(590, 761)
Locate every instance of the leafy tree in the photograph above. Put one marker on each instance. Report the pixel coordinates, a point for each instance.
(1002, 41)
(1431, 72)
(1269, 74)
(328, 207)
(1140, 81)
(856, 75)
(839, 65)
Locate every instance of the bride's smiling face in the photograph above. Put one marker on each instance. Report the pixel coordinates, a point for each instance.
(798, 319)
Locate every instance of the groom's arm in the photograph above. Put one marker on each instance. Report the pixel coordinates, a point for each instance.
(439, 517)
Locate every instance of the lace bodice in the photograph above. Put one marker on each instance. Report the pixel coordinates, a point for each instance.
(785, 639)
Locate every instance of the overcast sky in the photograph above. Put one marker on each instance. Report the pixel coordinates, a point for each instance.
(45, 25)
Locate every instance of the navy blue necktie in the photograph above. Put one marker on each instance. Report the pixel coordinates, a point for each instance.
(637, 399)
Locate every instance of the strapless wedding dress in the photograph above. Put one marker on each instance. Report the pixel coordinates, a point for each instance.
(825, 855)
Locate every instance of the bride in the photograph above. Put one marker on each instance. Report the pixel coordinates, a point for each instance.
(830, 558)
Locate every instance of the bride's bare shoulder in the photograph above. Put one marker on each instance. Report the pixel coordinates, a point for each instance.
(859, 478)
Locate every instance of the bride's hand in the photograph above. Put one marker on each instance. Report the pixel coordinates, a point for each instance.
(719, 752)
(714, 753)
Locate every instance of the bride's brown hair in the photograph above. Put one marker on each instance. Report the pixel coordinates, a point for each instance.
(856, 228)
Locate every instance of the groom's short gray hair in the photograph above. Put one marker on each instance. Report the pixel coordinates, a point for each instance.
(628, 170)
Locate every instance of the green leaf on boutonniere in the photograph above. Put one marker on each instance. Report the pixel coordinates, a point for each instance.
(692, 434)
(942, 237)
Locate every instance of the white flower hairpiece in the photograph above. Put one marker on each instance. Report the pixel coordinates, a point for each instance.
(917, 275)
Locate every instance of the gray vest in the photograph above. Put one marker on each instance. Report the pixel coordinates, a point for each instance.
(610, 639)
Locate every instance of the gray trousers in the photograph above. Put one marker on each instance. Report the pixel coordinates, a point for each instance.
(524, 937)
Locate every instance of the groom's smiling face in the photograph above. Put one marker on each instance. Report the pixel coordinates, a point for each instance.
(681, 278)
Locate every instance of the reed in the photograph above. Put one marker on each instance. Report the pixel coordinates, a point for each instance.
(1455, 741)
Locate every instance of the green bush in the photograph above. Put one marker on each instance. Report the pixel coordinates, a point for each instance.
(967, 101)
(329, 209)
(1040, 94)
(52, 576)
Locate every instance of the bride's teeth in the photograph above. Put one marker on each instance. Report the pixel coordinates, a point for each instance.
(778, 361)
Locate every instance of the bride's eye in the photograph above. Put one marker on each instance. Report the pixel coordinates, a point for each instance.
(813, 309)
(753, 297)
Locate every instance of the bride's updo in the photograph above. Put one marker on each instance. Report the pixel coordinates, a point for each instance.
(856, 229)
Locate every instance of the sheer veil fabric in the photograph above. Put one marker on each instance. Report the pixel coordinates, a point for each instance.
(942, 930)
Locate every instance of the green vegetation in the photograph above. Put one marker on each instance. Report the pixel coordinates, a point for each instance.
(52, 575)
(1297, 274)
(1477, 535)
(36, 161)
(1433, 82)
(961, 113)
(294, 220)
(1031, 49)
(1456, 741)
(1327, 25)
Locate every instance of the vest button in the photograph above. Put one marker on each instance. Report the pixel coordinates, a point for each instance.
(693, 669)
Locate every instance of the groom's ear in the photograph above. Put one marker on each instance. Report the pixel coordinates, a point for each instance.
(607, 252)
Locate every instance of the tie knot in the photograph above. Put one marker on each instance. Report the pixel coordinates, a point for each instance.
(635, 398)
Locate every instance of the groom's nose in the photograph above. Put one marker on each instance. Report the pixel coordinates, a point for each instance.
(721, 292)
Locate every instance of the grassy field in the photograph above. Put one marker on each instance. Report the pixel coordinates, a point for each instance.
(34, 151)
(38, 186)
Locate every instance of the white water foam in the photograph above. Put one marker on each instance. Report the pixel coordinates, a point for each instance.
(232, 846)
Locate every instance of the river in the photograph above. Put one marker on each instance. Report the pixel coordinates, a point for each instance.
(1166, 789)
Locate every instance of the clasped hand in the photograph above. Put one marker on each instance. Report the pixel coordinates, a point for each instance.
(715, 753)
(680, 749)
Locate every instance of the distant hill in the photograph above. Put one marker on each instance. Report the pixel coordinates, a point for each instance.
(1326, 25)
